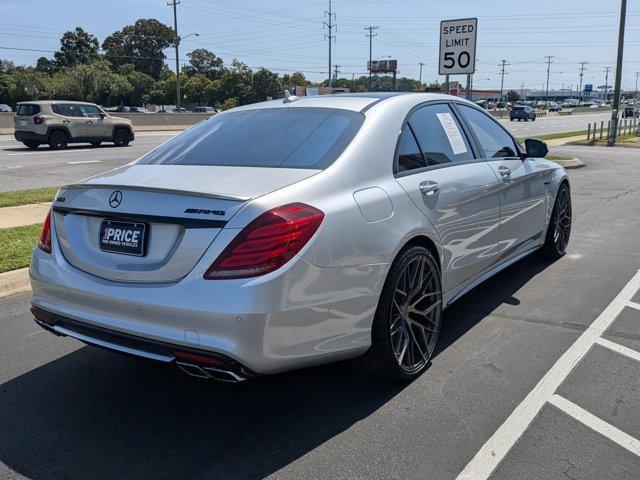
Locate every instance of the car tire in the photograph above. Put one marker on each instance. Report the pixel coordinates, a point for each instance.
(559, 228)
(402, 330)
(96, 144)
(58, 140)
(533, 119)
(31, 144)
(121, 137)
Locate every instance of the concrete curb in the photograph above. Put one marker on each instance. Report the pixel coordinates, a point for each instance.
(14, 282)
(570, 164)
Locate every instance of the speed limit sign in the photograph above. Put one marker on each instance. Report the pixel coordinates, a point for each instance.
(458, 46)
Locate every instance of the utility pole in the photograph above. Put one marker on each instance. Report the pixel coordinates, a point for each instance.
(330, 16)
(582, 69)
(503, 64)
(174, 4)
(371, 29)
(549, 62)
(336, 71)
(635, 91)
(606, 82)
(422, 65)
(522, 92)
(618, 82)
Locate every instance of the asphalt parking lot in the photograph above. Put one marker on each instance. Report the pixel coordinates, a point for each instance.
(22, 168)
(536, 376)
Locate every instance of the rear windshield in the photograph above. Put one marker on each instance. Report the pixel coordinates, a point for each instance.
(28, 110)
(270, 137)
(518, 108)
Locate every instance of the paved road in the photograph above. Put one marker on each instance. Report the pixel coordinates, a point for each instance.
(22, 168)
(75, 412)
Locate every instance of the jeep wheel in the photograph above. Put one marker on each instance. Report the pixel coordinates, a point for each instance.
(31, 144)
(58, 140)
(121, 137)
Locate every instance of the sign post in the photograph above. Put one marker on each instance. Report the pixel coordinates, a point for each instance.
(458, 47)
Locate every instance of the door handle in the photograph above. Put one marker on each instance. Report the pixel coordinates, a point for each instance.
(429, 188)
(505, 172)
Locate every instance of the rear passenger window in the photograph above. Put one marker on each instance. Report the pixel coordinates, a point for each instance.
(494, 140)
(28, 110)
(67, 110)
(90, 111)
(409, 156)
(439, 135)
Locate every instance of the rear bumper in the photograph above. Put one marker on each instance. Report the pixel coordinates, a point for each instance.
(300, 316)
(26, 136)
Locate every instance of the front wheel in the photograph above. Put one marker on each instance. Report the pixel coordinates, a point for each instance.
(121, 138)
(559, 229)
(30, 144)
(407, 321)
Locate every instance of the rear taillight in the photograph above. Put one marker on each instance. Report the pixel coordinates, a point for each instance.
(38, 120)
(267, 243)
(44, 243)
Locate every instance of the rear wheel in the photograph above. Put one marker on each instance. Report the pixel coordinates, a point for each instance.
(121, 137)
(559, 228)
(58, 140)
(407, 322)
(31, 144)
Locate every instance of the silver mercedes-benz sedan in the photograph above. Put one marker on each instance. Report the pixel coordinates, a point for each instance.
(297, 232)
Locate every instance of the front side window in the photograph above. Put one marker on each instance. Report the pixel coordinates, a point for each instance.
(439, 135)
(296, 137)
(90, 110)
(495, 141)
(67, 110)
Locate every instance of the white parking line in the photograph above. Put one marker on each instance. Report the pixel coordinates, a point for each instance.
(84, 161)
(497, 447)
(612, 433)
(621, 349)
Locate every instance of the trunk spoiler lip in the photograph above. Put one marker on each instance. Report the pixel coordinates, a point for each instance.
(218, 196)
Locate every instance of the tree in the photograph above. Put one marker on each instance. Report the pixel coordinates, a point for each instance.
(236, 82)
(21, 83)
(5, 65)
(46, 66)
(196, 88)
(76, 47)
(296, 79)
(264, 84)
(204, 62)
(513, 96)
(140, 44)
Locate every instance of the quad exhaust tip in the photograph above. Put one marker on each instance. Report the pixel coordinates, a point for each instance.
(202, 371)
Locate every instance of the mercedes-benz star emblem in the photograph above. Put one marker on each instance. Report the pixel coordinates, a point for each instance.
(115, 199)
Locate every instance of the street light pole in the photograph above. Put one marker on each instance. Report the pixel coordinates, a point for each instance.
(618, 82)
(174, 4)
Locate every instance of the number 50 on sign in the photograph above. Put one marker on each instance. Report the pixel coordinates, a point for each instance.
(458, 46)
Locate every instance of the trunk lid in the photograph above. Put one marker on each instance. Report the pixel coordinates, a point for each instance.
(180, 208)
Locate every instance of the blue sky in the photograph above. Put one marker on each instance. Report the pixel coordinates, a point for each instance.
(286, 35)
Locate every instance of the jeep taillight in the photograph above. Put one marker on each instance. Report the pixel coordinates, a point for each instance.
(44, 242)
(38, 120)
(267, 243)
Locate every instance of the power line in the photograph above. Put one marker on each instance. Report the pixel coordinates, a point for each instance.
(328, 23)
(371, 29)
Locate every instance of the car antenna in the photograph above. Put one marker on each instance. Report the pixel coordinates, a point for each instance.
(288, 98)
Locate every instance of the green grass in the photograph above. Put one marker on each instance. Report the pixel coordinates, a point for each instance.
(25, 197)
(553, 136)
(16, 245)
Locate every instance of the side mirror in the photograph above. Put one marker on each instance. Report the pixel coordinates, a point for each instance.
(102, 115)
(536, 148)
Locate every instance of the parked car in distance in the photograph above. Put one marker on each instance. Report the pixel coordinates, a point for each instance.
(60, 122)
(522, 112)
(5, 108)
(638, 132)
(553, 107)
(297, 232)
(174, 110)
(206, 110)
(630, 112)
(123, 109)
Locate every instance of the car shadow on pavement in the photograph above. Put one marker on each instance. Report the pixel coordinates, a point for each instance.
(96, 414)
(44, 148)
